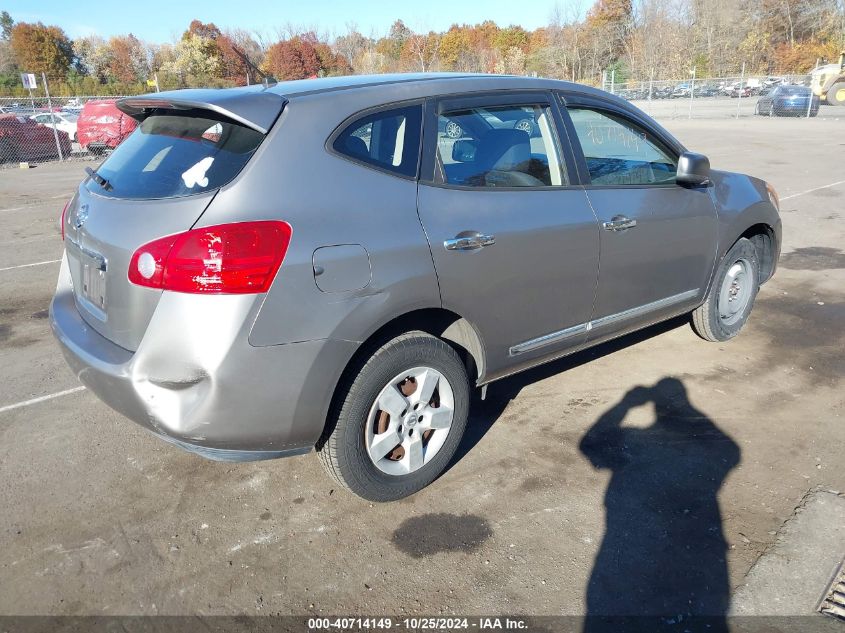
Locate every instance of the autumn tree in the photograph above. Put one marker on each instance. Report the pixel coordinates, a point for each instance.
(420, 51)
(352, 45)
(509, 38)
(392, 45)
(41, 49)
(295, 58)
(240, 56)
(194, 59)
(129, 62)
(94, 56)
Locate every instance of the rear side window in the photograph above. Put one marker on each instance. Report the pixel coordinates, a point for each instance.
(618, 152)
(388, 139)
(170, 156)
(498, 146)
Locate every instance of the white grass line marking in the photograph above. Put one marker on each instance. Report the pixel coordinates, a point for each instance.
(26, 403)
(803, 193)
(52, 261)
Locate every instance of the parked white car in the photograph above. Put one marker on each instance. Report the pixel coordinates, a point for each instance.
(64, 121)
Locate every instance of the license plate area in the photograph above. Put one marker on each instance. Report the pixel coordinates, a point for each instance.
(93, 284)
(91, 289)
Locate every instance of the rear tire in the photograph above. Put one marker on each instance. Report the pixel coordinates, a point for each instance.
(731, 296)
(355, 450)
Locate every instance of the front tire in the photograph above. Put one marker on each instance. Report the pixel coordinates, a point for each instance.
(836, 94)
(731, 295)
(398, 419)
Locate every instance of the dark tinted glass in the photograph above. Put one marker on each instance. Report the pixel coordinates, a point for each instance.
(170, 156)
(389, 139)
(793, 90)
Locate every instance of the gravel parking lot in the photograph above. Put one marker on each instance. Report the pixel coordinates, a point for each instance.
(100, 517)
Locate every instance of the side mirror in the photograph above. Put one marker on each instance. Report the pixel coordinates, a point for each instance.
(463, 151)
(693, 170)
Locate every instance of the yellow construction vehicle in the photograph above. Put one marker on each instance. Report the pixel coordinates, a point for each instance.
(828, 82)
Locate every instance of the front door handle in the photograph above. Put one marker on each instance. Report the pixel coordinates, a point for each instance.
(471, 242)
(619, 223)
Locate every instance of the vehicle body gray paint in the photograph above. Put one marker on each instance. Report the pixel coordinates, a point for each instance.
(255, 374)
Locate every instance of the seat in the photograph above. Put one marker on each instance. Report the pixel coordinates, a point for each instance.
(503, 158)
(356, 147)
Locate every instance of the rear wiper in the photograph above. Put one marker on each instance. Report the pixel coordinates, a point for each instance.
(105, 184)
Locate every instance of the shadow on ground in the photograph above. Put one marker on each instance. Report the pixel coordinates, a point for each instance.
(663, 553)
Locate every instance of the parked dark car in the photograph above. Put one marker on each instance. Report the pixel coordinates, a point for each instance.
(22, 139)
(707, 91)
(102, 126)
(786, 100)
(265, 271)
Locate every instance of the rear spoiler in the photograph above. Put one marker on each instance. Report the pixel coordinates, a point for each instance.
(254, 107)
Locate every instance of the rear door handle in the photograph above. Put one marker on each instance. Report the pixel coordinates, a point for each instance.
(469, 242)
(619, 223)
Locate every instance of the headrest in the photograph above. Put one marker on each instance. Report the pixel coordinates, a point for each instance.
(503, 150)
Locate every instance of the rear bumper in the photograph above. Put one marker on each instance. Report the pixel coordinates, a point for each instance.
(97, 146)
(202, 386)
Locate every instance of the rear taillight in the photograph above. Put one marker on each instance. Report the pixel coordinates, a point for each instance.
(239, 258)
(62, 219)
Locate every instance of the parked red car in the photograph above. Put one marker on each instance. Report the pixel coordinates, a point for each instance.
(22, 139)
(102, 126)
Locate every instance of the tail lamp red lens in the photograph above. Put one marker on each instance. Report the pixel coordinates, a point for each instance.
(238, 258)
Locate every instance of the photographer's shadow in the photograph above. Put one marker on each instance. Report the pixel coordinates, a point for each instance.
(663, 553)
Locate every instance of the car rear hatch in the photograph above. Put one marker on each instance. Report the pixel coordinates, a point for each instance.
(156, 183)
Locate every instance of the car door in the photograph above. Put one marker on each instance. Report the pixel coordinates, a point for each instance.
(514, 242)
(658, 239)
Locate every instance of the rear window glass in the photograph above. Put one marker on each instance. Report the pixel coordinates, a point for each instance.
(170, 156)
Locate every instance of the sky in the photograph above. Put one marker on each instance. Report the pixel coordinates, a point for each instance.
(165, 20)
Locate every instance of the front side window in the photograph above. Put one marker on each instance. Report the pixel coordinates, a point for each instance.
(498, 146)
(388, 139)
(618, 152)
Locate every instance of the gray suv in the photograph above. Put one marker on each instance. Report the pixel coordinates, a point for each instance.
(335, 264)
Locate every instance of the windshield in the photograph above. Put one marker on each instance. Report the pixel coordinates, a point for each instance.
(793, 90)
(170, 156)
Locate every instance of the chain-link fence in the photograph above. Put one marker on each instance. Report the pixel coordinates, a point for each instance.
(39, 129)
(84, 128)
(724, 97)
